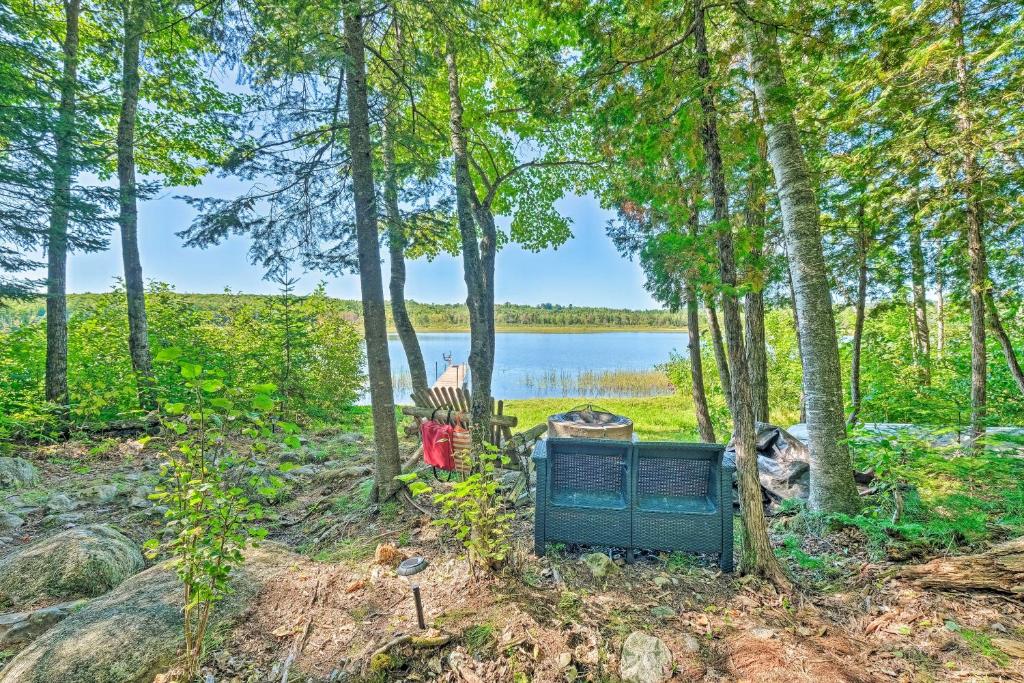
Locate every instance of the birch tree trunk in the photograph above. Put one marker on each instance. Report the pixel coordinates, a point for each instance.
(387, 462)
(477, 262)
(832, 488)
(977, 267)
(758, 557)
(799, 346)
(397, 242)
(57, 236)
(128, 217)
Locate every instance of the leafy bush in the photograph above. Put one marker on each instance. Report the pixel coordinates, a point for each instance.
(211, 440)
(305, 345)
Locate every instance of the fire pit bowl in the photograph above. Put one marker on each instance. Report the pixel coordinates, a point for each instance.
(587, 423)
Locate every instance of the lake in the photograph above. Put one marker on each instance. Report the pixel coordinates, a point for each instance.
(553, 364)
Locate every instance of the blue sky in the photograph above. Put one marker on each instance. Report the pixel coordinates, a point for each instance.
(587, 270)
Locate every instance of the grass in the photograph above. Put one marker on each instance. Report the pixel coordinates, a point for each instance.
(655, 418)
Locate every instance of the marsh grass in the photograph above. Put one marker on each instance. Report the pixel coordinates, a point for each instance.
(555, 382)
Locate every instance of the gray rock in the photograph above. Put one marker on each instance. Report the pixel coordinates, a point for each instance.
(351, 438)
(20, 628)
(66, 519)
(600, 565)
(16, 473)
(645, 659)
(134, 632)
(9, 522)
(103, 493)
(83, 562)
(60, 502)
(662, 612)
(140, 497)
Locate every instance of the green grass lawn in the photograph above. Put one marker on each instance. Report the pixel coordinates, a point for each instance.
(655, 418)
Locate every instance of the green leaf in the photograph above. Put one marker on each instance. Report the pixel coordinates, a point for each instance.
(286, 467)
(211, 386)
(265, 388)
(292, 441)
(191, 370)
(168, 354)
(262, 402)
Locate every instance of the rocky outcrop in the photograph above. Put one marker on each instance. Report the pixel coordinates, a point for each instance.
(16, 473)
(134, 632)
(83, 562)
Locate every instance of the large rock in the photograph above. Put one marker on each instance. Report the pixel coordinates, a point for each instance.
(16, 473)
(78, 563)
(134, 632)
(645, 659)
(10, 522)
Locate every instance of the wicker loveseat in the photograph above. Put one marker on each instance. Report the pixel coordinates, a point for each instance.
(654, 496)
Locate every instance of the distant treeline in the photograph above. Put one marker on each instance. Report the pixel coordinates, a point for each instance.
(424, 316)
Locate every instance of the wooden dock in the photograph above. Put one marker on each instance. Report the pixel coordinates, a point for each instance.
(453, 377)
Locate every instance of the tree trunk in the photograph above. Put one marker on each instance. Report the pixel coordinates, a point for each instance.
(753, 303)
(387, 462)
(57, 236)
(859, 308)
(940, 312)
(977, 268)
(128, 218)
(922, 342)
(700, 399)
(758, 557)
(718, 344)
(477, 261)
(832, 487)
(1004, 341)
(396, 247)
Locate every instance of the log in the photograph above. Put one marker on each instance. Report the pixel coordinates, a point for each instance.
(444, 415)
(1000, 569)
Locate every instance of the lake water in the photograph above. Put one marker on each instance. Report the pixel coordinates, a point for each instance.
(552, 364)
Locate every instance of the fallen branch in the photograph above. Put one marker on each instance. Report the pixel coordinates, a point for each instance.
(1000, 569)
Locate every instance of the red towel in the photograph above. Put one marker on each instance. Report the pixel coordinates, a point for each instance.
(438, 448)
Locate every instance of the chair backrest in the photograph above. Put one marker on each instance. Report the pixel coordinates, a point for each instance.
(589, 466)
(678, 469)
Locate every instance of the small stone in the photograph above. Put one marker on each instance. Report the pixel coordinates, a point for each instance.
(662, 581)
(600, 565)
(9, 522)
(663, 612)
(564, 660)
(351, 438)
(762, 633)
(645, 659)
(140, 498)
(690, 643)
(61, 502)
(995, 625)
(104, 493)
(21, 628)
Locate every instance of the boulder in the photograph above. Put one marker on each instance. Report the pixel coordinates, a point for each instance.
(83, 562)
(134, 632)
(600, 565)
(16, 473)
(102, 493)
(60, 502)
(645, 659)
(20, 628)
(10, 522)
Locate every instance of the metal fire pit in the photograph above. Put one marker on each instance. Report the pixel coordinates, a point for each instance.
(588, 423)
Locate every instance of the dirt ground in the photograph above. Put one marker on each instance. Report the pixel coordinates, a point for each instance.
(344, 614)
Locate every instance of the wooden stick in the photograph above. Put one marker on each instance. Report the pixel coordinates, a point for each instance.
(448, 414)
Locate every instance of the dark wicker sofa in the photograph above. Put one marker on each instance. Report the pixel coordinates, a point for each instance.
(654, 496)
